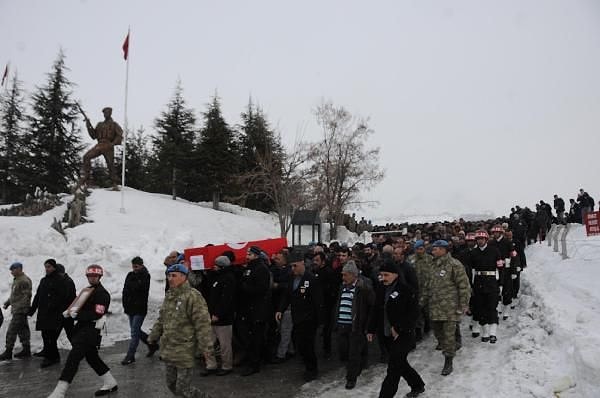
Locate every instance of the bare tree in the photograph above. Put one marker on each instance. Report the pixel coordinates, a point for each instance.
(282, 178)
(342, 164)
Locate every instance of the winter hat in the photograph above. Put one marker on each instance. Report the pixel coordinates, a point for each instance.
(419, 243)
(15, 265)
(137, 260)
(255, 250)
(389, 266)
(178, 268)
(440, 243)
(350, 268)
(295, 257)
(222, 262)
(51, 261)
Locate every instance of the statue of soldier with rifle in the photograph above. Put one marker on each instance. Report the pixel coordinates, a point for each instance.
(108, 133)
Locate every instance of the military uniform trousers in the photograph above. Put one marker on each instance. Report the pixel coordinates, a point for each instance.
(86, 341)
(485, 303)
(398, 367)
(18, 326)
(353, 348)
(305, 334)
(179, 381)
(448, 336)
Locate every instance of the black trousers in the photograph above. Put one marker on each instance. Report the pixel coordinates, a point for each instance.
(254, 341)
(50, 348)
(327, 327)
(352, 347)
(86, 341)
(485, 303)
(398, 367)
(305, 334)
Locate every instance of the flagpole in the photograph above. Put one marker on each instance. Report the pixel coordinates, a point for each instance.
(125, 128)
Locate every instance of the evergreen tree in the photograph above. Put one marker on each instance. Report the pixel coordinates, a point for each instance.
(216, 154)
(173, 147)
(54, 139)
(136, 167)
(12, 155)
(257, 141)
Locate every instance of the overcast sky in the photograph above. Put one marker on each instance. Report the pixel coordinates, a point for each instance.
(476, 105)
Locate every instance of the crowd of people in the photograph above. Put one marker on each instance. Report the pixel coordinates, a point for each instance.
(411, 280)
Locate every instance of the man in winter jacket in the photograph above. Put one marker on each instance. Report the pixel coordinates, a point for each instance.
(446, 294)
(135, 305)
(70, 294)
(354, 305)
(91, 318)
(51, 299)
(253, 307)
(183, 326)
(305, 298)
(19, 301)
(221, 306)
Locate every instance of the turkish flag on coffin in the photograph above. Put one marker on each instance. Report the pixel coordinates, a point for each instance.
(199, 258)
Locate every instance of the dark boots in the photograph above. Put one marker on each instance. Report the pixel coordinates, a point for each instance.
(447, 366)
(24, 353)
(6, 355)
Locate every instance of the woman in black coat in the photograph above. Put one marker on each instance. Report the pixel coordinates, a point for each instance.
(398, 306)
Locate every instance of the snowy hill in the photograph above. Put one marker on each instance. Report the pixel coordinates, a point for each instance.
(551, 342)
(152, 226)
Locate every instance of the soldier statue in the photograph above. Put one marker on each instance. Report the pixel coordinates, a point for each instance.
(108, 133)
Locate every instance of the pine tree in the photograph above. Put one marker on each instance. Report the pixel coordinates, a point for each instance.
(54, 139)
(136, 167)
(12, 155)
(258, 141)
(216, 154)
(173, 145)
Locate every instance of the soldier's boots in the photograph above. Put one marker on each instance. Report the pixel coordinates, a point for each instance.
(24, 353)
(476, 330)
(447, 366)
(6, 355)
(109, 384)
(415, 392)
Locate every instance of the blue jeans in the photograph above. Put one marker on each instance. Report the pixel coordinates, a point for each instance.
(135, 324)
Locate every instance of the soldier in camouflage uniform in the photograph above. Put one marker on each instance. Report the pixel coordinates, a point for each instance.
(108, 133)
(20, 302)
(183, 327)
(446, 293)
(422, 263)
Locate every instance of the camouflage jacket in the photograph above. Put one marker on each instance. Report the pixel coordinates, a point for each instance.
(447, 291)
(422, 264)
(20, 295)
(183, 326)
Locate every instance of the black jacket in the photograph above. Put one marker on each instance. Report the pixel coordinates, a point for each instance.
(96, 306)
(485, 260)
(306, 301)
(222, 296)
(329, 285)
(51, 299)
(135, 292)
(399, 302)
(254, 290)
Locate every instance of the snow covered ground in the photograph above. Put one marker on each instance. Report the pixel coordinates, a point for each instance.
(552, 341)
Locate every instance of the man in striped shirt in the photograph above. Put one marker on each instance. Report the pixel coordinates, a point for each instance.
(355, 303)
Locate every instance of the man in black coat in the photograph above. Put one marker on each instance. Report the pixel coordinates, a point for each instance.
(135, 305)
(330, 286)
(70, 294)
(49, 302)
(305, 297)
(397, 308)
(253, 307)
(221, 307)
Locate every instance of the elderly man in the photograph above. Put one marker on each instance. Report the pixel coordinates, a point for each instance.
(305, 298)
(355, 302)
(446, 293)
(183, 326)
(19, 301)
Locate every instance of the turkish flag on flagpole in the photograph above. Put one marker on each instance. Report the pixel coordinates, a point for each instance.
(126, 47)
(4, 75)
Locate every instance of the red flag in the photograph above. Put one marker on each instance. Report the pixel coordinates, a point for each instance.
(126, 47)
(4, 75)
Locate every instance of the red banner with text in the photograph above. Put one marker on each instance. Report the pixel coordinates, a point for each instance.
(592, 225)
